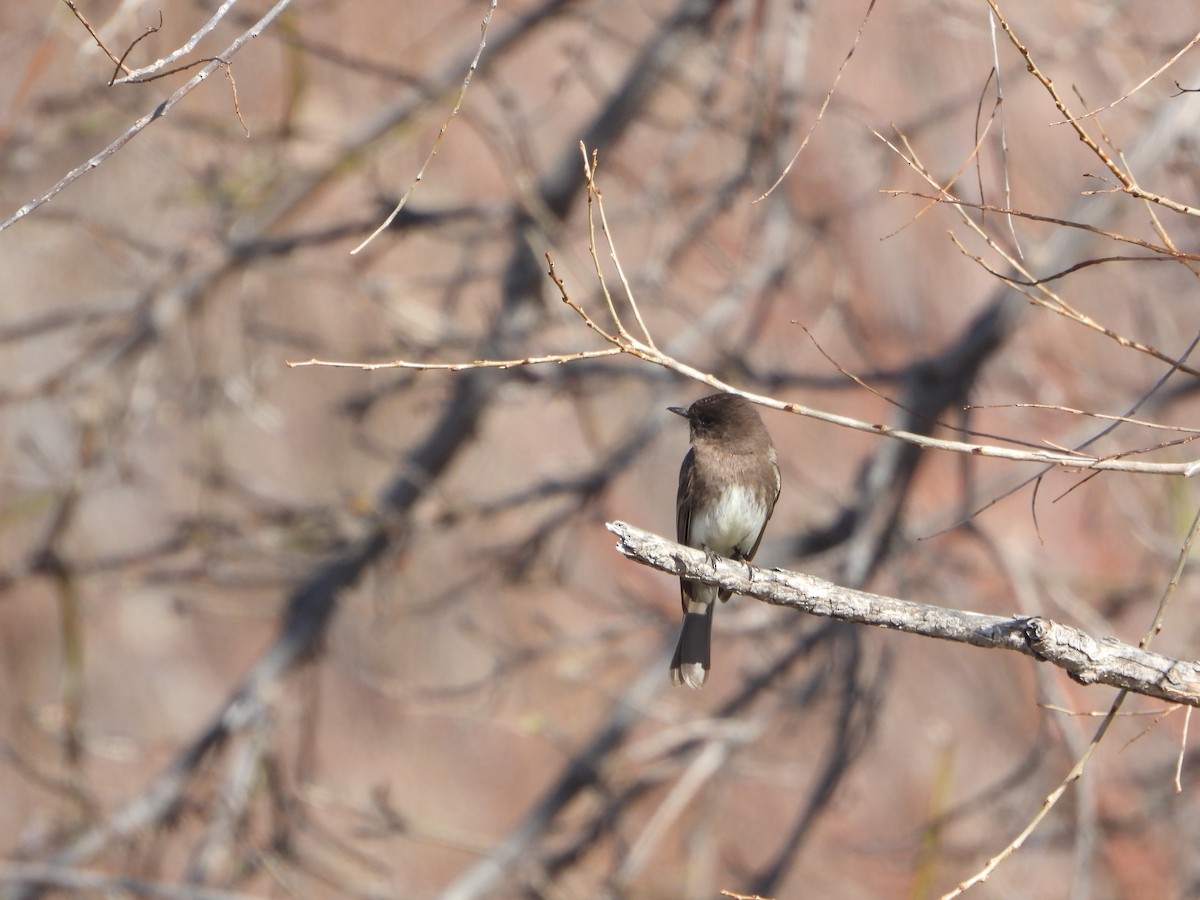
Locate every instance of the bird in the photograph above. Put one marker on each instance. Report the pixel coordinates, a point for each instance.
(728, 485)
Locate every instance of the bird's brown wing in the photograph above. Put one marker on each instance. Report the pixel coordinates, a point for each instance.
(683, 515)
(683, 519)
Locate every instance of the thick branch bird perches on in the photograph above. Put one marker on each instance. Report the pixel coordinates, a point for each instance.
(1086, 659)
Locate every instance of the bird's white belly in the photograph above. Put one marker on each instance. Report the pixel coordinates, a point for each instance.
(732, 523)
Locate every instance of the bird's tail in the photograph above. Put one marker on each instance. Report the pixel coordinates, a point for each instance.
(690, 665)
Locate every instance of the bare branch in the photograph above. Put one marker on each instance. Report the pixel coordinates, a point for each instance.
(1086, 659)
(456, 367)
(144, 122)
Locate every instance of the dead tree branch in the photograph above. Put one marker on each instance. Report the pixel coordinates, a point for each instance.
(1086, 659)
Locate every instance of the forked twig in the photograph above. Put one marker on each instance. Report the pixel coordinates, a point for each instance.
(1141, 84)
(92, 31)
(1042, 296)
(1128, 185)
(593, 190)
(137, 75)
(121, 67)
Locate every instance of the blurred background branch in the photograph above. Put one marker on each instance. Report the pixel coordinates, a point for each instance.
(273, 630)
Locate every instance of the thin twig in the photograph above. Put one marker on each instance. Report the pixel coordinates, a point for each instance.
(824, 105)
(559, 358)
(92, 31)
(1083, 412)
(121, 67)
(1141, 84)
(462, 93)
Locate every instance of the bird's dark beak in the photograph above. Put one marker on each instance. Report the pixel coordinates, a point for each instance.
(678, 410)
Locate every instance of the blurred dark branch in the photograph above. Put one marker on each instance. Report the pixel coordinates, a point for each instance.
(582, 772)
(313, 603)
(642, 77)
(756, 703)
(766, 698)
(932, 386)
(81, 882)
(1086, 659)
(555, 193)
(384, 123)
(858, 704)
(410, 219)
(308, 612)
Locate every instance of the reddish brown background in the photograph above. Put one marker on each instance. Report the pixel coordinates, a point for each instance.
(168, 483)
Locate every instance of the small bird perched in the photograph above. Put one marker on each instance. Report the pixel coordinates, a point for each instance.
(728, 486)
